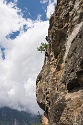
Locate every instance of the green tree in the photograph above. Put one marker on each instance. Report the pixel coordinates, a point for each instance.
(42, 47)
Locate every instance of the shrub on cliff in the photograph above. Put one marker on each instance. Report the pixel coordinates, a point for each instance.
(42, 47)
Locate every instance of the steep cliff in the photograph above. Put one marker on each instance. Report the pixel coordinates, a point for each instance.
(59, 85)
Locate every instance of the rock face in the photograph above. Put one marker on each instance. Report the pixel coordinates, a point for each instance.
(59, 85)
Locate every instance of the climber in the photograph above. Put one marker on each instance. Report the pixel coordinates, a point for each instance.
(46, 53)
(48, 39)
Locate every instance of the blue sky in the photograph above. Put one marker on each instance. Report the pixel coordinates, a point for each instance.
(31, 9)
(23, 26)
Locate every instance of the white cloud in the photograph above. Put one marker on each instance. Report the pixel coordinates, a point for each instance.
(15, 1)
(44, 1)
(22, 62)
(50, 8)
(9, 22)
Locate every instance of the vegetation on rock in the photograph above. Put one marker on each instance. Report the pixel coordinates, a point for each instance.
(42, 47)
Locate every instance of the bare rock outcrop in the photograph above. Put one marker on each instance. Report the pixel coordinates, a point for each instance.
(59, 85)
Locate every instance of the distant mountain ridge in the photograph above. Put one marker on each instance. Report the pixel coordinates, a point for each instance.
(10, 116)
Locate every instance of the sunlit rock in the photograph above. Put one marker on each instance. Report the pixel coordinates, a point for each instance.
(59, 86)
